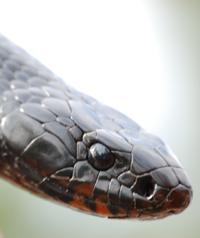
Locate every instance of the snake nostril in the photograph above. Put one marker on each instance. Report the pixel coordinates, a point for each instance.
(144, 186)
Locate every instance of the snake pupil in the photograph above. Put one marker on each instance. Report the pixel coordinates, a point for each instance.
(100, 157)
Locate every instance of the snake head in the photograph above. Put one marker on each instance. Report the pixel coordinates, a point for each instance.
(118, 172)
(64, 145)
(122, 181)
(125, 171)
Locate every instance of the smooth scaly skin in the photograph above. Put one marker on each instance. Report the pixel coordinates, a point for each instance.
(51, 136)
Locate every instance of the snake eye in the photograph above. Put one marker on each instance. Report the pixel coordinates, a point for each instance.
(100, 157)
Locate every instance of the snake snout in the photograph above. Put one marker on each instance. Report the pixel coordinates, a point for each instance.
(178, 199)
(162, 187)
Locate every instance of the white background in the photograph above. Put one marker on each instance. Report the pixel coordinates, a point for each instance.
(141, 57)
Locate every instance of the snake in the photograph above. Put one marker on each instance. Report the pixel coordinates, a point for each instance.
(65, 146)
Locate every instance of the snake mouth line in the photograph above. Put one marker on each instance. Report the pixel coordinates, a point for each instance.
(105, 208)
(98, 208)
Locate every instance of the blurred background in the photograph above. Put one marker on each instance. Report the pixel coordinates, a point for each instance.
(141, 57)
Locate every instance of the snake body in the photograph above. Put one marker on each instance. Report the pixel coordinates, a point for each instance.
(66, 146)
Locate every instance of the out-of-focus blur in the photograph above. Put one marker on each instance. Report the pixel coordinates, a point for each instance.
(141, 57)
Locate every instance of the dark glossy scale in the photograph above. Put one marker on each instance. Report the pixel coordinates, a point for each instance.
(62, 134)
(64, 145)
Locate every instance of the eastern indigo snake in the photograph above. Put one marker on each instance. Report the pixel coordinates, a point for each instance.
(66, 146)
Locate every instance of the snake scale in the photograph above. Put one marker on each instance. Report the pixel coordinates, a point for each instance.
(66, 146)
